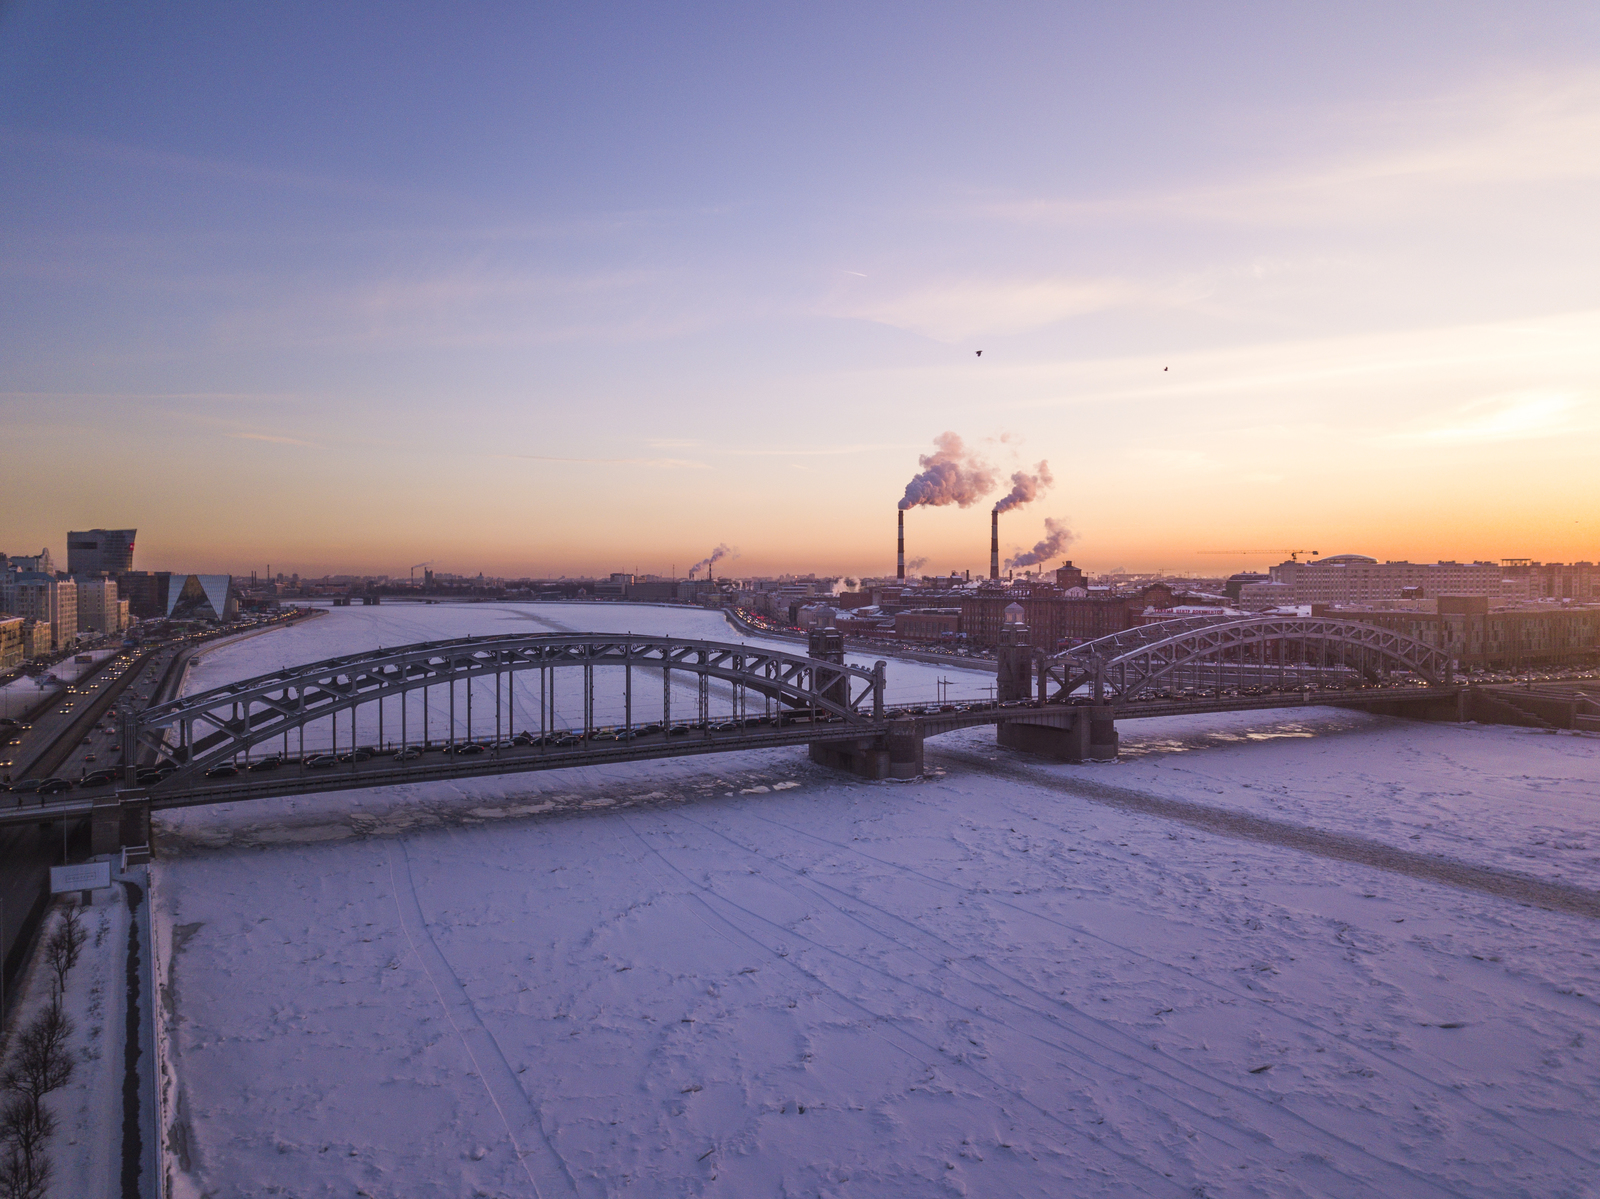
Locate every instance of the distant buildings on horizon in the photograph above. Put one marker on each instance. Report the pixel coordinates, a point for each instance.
(45, 611)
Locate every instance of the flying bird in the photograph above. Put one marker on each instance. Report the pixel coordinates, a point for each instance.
(980, 353)
(1166, 368)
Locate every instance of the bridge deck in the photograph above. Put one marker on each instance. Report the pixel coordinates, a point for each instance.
(383, 771)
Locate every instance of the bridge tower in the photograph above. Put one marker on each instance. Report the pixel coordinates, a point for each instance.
(1074, 733)
(1015, 657)
(867, 757)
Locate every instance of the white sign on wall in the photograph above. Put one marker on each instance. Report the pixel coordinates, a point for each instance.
(86, 877)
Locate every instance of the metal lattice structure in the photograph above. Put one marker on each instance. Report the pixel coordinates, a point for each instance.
(219, 725)
(1140, 662)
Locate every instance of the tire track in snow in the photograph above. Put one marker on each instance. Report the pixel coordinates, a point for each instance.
(1393, 1064)
(483, 1051)
(1137, 1063)
(1339, 847)
(886, 1028)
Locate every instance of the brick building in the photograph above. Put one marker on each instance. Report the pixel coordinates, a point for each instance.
(931, 624)
(1058, 618)
(1503, 639)
(1526, 580)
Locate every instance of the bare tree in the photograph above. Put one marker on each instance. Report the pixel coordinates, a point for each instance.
(22, 1178)
(26, 1123)
(58, 956)
(62, 950)
(72, 921)
(42, 1063)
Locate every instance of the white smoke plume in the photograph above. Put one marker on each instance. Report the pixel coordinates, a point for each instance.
(1057, 538)
(1026, 487)
(705, 564)
(916, 563)
(951, 475)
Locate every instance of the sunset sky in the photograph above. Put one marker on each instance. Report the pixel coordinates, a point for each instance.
(545, 289)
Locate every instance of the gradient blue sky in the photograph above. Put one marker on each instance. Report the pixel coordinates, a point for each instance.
(539, 288)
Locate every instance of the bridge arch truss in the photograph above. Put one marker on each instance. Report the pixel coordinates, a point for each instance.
(220, 725)
(1139, 662)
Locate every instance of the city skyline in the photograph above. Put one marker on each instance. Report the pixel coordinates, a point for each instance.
(591, 292)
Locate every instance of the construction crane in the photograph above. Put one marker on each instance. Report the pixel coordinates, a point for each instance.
(1294, 555)
(417, 567)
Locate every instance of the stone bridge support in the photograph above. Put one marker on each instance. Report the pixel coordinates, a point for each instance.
(1081, 733)
(864, 757)
(895, 755)
(117, 821)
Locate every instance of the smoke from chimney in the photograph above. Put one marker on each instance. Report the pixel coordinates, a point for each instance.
(1057, 538)
(1026, 487)
(951, 475)
(705, 564)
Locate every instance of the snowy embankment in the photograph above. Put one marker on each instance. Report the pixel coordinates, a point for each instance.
(85, 1150)
(744, 975)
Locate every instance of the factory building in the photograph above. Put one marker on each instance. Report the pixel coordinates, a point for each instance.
(1056, 617)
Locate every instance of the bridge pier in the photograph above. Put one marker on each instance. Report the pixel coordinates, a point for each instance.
(1081, 733)
(119, 821)
(864, 757)
(905, 750)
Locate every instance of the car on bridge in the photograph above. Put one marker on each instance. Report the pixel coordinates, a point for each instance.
(468, 748)
(356, 755)
(54, 786)
(409, 754)
(222, 770)
(321, 762)
(569, 739)
(265, 764)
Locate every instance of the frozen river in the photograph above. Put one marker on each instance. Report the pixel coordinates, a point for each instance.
(744, 975)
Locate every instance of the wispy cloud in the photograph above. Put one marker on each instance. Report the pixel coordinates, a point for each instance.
(99, 150)
(959, 309)
(1534, 130)
(274, 438)
(662, 463)
(1517, 417)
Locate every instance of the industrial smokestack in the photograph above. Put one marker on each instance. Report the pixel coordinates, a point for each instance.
(900, 559)
(994, 544)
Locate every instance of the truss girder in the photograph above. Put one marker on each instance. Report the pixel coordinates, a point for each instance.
(215, 727)
(1129, 663)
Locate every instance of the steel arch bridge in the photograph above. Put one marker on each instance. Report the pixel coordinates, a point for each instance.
(216, 726)
(1138, 662)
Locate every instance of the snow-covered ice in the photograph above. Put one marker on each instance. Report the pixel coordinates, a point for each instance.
(745, 975)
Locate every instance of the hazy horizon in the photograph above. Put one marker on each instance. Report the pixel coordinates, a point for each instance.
(571, 292)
